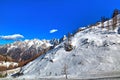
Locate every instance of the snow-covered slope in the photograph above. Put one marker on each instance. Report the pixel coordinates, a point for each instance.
(95, 50)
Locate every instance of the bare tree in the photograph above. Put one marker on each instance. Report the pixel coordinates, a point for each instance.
(69, 36)
(102, 22)
(108, 26)
(65, 71)
(103, 19)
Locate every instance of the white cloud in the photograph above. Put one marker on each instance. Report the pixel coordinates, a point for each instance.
(53, 30)
(12, 37)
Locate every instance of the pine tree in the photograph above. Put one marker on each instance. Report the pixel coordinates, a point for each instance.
(114, 16)
(103, 19)
(107, 24)
(119, 21)
(108, 27)
(115, 13)
(68, 44)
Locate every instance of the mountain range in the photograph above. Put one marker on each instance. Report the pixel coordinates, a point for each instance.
(23, 52)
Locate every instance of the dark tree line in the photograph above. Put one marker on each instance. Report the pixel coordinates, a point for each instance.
(115, 20)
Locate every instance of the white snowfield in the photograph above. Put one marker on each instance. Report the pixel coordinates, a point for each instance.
(95, 51)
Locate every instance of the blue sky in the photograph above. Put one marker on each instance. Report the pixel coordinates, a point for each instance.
(35, 18)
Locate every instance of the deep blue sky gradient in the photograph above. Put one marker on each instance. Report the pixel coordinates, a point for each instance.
(35, 18)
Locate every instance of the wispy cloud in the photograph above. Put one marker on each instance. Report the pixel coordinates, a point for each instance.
(53, 30)
(12, 37)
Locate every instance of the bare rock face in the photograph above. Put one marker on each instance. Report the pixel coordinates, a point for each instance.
(3, 49)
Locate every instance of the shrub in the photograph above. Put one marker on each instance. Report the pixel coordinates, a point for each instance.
(2, 75)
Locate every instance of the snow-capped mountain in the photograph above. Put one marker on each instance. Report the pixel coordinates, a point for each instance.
(94, 50)
(25, 50)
